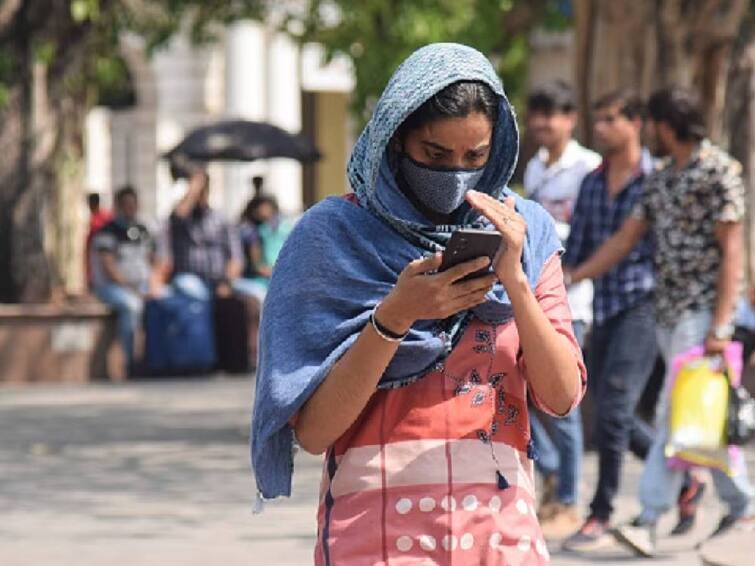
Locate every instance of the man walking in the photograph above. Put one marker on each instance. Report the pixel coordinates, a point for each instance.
(553, 178)
(623, 347)
(694, 205)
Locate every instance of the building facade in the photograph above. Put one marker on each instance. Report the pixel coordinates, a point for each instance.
(251, 72)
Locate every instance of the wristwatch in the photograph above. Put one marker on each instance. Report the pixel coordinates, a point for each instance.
(722, 331)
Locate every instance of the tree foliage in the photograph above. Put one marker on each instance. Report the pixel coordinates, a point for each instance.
(59, 57)
(95, 26)
(375, 34)
(378, 34)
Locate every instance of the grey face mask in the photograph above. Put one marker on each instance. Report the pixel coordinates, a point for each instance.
(440, 190)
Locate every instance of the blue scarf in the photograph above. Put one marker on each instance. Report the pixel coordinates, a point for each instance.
(342, 259)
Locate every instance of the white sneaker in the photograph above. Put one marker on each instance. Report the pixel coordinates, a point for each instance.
(640, 540)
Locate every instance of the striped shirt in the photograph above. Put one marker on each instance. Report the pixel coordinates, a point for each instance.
(597, 216)
(202, 244)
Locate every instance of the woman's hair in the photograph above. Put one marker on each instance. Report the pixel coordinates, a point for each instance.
(252, 206)
(457, 100)
(681, 110)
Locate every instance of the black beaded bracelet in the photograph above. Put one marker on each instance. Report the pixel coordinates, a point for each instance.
(382, 331)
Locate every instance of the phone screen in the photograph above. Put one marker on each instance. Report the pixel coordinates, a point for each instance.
(466, 245)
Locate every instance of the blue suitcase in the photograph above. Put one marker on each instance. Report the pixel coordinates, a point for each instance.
(179, 335)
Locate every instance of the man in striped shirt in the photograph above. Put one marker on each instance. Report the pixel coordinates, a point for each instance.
(203, 249)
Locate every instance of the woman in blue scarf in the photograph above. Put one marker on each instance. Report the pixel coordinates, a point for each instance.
(415, 383)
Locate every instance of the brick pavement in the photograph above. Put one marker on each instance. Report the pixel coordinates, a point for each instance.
(157, 474)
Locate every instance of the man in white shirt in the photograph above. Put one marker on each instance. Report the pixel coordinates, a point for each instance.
(553, 178)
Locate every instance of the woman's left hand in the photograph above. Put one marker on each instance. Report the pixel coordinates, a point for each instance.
(513, 229)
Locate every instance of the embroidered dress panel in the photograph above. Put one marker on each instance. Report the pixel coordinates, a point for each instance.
(439, 472)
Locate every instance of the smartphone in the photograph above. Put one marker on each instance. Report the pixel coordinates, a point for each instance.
(468, 244)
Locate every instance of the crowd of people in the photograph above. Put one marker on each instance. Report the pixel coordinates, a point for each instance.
(364, 359)
(658, 233)
(434, 396)
(198, 253)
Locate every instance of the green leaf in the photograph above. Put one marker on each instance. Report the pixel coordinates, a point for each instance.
(44, 51)
(83, 10)
(379, 34)
(4, 96)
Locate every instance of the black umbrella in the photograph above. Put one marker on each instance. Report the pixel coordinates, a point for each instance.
(242, 140)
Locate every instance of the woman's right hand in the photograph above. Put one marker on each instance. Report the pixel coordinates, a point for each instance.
(420, 294)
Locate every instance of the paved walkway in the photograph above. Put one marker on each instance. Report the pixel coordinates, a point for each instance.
(157, 474)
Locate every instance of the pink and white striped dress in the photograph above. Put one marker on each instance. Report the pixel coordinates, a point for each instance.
(438, 472)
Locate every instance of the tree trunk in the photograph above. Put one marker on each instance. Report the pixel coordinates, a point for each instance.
(15, 158)
(39, 128)
(31, 264)
(706, 45)
(67, 227)
(648, 44)
(740, 126)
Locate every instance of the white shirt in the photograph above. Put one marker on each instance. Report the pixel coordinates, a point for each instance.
(556, 187)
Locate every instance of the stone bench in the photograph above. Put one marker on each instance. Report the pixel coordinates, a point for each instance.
(58, 343)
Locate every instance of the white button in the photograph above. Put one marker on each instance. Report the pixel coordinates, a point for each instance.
(426, 504)
(469, 503)
(404, 543)
(524, 543)
(466, 541)
(403, 506)
(449, 542)
(427, 542)
(495, 504)
(448, 503)
(541, 549)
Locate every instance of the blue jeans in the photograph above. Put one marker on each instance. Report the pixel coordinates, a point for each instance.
(562, 453)
(660, 485)
(129, 307)
(622, 356)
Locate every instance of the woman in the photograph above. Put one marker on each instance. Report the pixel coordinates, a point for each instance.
(415, 383)
(263, 232)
